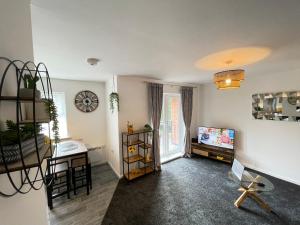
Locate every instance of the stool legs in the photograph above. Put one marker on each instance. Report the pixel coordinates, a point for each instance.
(68, 183)
(87, 181)
(87, 174)
(90, 176)
(81, 171)
(74, 180)
(49, 192)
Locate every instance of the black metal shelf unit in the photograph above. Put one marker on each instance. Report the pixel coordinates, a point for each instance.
(142, 160)
(27, 173)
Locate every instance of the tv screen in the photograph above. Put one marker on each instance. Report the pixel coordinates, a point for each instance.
(220, 137)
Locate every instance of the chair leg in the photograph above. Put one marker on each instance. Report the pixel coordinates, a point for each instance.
(49, 192)
(90, 176)
(87, 177)
(74, 180)
(68, 183)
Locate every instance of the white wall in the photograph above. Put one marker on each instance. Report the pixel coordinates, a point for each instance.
(133, 102)
(134, 108)
(112, 138)
(91, 127)
(272, 147)
(16, 43)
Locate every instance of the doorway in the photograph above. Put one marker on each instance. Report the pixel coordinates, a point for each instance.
(171, 128)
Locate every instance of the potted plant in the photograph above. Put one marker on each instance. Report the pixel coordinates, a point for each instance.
(10, 141)
(52, 112)
(147, 127)
(114, 101)
(29, 85)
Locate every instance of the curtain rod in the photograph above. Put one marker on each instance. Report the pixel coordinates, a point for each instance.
(170, 83)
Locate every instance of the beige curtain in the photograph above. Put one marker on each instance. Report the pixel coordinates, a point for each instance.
(155, 99)
(187, 108)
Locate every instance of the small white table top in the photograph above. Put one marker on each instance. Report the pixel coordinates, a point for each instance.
(69, 148)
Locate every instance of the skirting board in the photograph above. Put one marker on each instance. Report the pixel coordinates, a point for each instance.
(117, 174)
(273, 175)
(113, 169)
(246, 164)
(98, 163)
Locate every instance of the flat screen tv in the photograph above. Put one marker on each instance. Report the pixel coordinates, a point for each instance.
(220, 137)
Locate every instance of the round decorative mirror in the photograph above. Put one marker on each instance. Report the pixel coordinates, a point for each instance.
(86, 101)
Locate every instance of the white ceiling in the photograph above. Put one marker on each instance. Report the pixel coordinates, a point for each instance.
(161, 38)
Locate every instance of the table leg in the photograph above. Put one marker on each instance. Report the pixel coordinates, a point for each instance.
(244, 195)
(49, 188)
(49, 191)
(87, 174)
(259, 201)
(241, 199)
(252, 194)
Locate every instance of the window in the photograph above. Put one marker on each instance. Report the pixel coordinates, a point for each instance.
(60, 103)
(171, 128)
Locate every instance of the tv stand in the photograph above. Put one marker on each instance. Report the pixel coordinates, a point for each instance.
(217, 153)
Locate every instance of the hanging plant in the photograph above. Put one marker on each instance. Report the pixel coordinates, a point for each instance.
(52, 110)
(114, 101)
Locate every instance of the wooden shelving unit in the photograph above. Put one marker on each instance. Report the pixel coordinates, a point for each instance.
(21, 99)
(133, 158)
(32, 121)
(138, 173)
(137, 164)
(22, 174)
(30, 160)
(136, 142)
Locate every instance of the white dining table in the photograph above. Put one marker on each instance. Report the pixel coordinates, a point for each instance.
(66, 150)
(69, 148)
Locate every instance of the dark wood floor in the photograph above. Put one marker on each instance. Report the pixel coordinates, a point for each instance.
(85, 209)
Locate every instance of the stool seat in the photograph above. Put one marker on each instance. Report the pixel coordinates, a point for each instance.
(77, 162)
(58, 175)
(81, 172)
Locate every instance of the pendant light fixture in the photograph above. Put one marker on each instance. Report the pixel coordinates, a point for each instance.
(229, 79)
(229, 62)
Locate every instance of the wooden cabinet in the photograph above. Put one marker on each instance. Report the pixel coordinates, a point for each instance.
(217, 153)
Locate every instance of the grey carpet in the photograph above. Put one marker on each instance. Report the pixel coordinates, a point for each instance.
(197, 191)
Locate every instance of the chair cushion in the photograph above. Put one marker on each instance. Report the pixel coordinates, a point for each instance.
(77, 162)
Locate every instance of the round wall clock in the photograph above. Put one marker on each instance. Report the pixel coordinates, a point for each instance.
(86, 101)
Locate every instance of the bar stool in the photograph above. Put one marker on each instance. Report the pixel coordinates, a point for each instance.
(58, 175)
(79, 169)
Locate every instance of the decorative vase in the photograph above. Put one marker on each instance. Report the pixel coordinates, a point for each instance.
(148, 157)
(28, 93)
(41, 112)
(129, 128)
